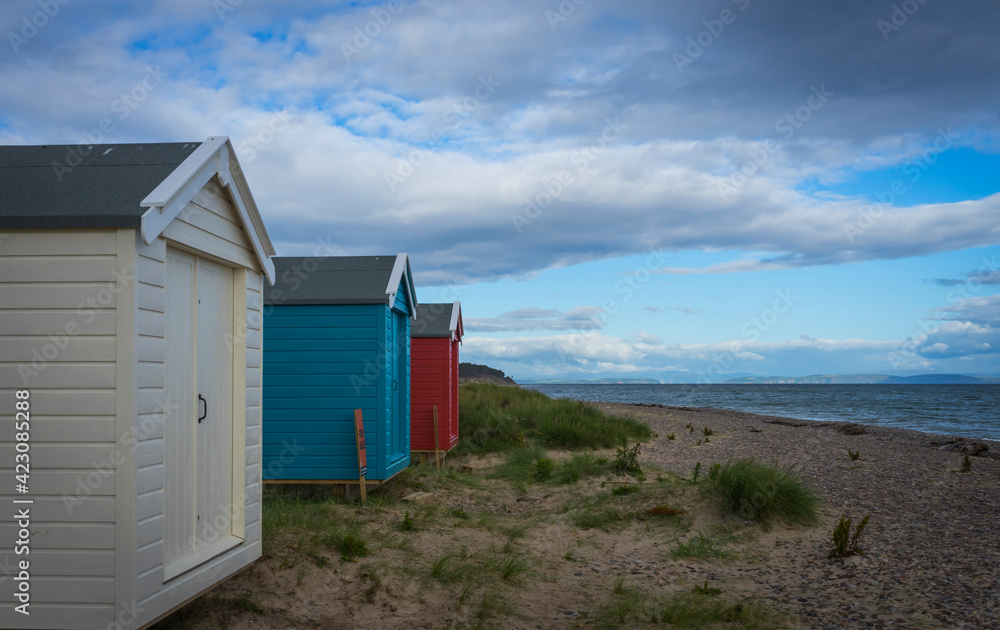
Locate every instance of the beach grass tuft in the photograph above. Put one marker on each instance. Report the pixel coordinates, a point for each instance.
(630, 607)
(496, 418)
(310, 525)
(701, 547)
(754, 491)
(581, 466)
(844, 542)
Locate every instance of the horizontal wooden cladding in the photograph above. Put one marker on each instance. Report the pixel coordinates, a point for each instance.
(64, 429)
(210, 225)
(64, 616)
(348, 378)
(428, 381)
(65, 242)
(309, 397)
(69, 508)
(430, 367)
(57, 268)
(65, 590)
(151, 297)
(309, 330)
(150, 272)
(60, 295)
(64, 402)
(347, 362)
(60, 375)
(70, 482)
(57, 322)
(64, 563)
(343, 412)
(308, 445)
(51, 535)
(71, 455)
(61, 348)
(320, 470)
(326, 344)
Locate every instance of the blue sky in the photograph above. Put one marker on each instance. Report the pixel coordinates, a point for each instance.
(678, 191)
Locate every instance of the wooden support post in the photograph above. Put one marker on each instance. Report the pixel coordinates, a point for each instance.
(437, 440)
(359, 434)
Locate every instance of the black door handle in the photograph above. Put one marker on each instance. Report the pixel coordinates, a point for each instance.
(201, 399)
(393, 384)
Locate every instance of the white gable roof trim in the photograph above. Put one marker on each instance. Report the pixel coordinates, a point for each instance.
(215, 157)
(401, 272)
(456, 326)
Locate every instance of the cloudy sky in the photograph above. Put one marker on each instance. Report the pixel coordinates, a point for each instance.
(677, 190)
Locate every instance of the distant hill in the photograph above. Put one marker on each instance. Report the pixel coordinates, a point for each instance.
(475, 373)
(941, 379)
(596, 381)
(867, 379)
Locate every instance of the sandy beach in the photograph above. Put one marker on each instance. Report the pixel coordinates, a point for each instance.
(933, 542)
(932, 551)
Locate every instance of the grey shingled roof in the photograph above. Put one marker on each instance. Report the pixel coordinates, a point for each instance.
(332, 280)
(433, 320)
(39, 187)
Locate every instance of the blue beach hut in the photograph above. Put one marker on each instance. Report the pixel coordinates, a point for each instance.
(336, 339)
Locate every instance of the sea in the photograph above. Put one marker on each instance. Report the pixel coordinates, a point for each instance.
(963, 410)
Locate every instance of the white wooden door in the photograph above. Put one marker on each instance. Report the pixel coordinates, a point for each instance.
(214, 430)
(179, 407)
(198, 427)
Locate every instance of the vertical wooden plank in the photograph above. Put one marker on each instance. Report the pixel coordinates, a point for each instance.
(359, 438)
(239, 402)
(437, 440)
(126, 413)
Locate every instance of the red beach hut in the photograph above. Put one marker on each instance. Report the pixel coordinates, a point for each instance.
(435, 336)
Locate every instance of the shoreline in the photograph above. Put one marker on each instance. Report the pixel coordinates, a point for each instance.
(974, 432)
(927, 438)
(932, 553)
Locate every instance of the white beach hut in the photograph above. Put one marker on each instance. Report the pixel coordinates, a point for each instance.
(130, 338)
